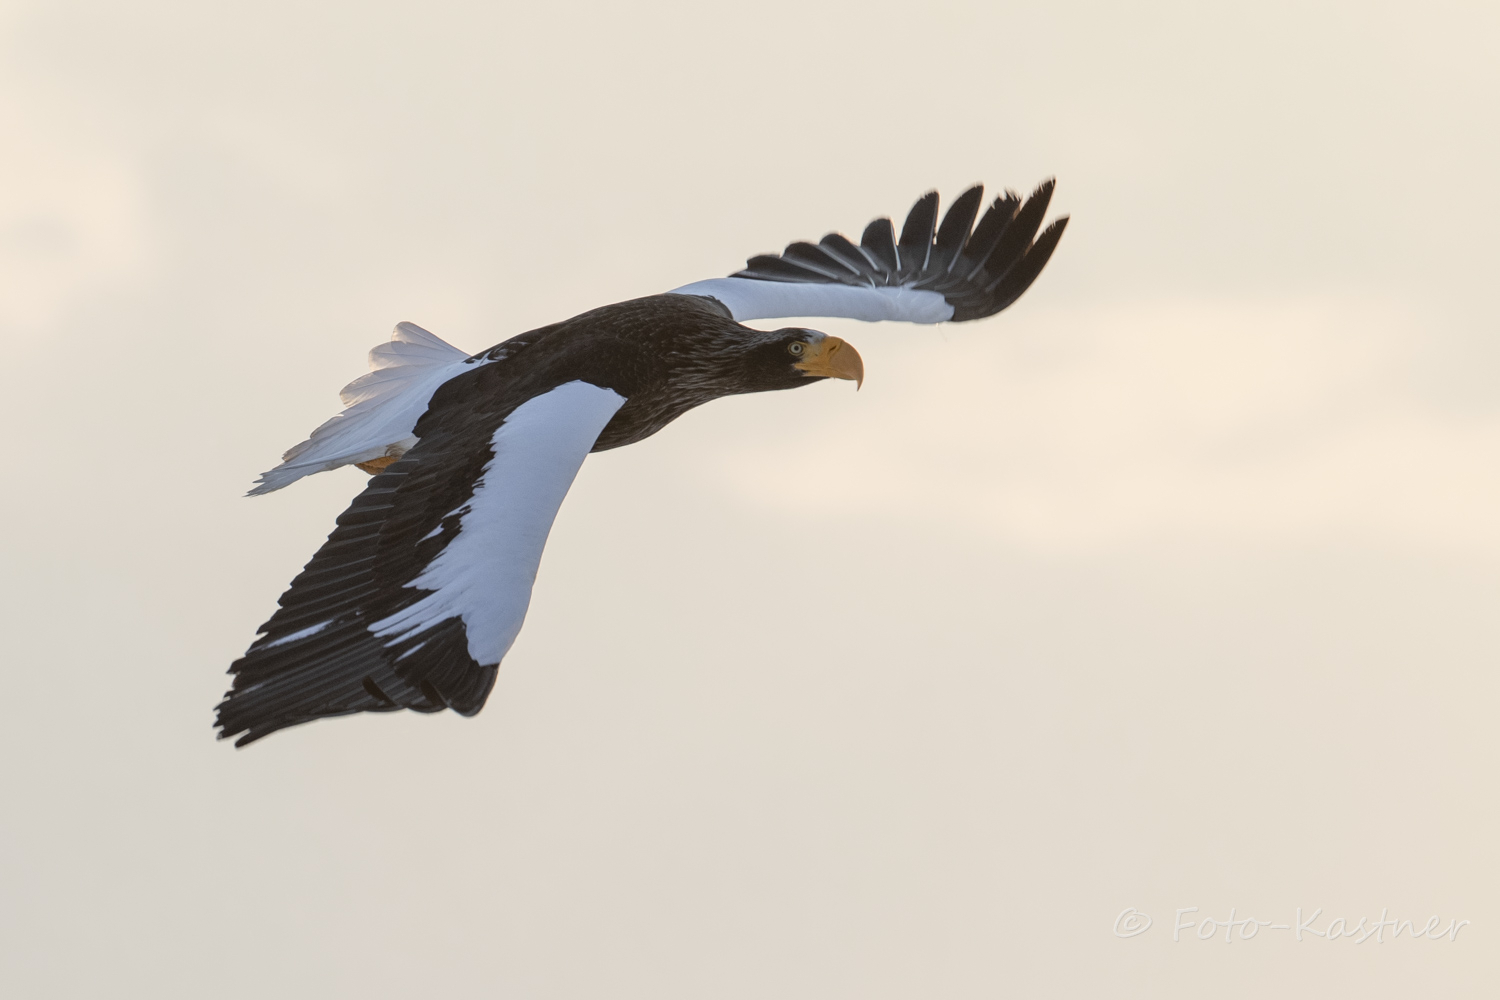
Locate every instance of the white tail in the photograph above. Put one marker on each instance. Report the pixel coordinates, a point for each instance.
(380, 408)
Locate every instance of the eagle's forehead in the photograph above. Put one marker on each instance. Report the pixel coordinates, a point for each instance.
(759, 338)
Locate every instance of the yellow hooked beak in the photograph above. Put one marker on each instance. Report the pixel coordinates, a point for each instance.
(833, 358)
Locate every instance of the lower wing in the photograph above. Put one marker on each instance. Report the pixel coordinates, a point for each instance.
(419, 592)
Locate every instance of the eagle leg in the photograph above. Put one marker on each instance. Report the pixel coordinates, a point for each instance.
(375, 466)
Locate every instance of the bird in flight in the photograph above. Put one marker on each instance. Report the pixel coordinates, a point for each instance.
(422, 587)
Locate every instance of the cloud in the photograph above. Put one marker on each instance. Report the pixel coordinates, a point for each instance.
(72, 209)
(1239, 421)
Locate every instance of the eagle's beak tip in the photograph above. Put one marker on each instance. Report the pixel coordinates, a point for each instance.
(834, 357)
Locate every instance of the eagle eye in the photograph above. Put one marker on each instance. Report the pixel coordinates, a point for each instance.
(795, 348)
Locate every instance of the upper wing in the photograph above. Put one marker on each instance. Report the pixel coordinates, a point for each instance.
(421, 589)
(933, 274)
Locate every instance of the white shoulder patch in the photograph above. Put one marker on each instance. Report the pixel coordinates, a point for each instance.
(485, 574)
(751, 298)
(380, 408)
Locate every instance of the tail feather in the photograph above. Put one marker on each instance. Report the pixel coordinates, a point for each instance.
(381, 408)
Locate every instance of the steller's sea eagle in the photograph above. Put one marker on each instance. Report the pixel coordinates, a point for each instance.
(423, 585)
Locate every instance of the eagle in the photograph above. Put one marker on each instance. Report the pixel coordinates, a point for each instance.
(423, 585)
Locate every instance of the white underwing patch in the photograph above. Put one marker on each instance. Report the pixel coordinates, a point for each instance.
(749, 298)
(485, 574)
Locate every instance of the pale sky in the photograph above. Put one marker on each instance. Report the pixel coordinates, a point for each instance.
(1172, 586)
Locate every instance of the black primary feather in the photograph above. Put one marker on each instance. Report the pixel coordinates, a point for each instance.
(857, 260)
(916, 236)
(880, 240)
(954, 232)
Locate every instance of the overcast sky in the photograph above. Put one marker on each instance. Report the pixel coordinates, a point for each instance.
(1174, 585)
